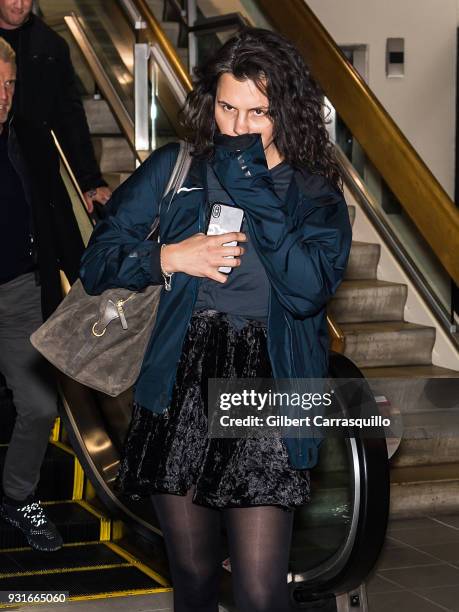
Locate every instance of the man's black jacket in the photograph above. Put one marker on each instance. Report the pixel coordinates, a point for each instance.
(56, 237)
(47, 97)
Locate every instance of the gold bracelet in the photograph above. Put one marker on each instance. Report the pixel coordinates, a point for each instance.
(166, 275)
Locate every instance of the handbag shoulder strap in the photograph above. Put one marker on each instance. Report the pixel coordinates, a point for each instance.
(176, 179)
(180, 170)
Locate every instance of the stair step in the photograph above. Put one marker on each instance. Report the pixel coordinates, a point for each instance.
(384, 343)
(103, 582)
(89, 555)
(363, 260)
(417, 394)
(368, 300)
(100, 117)
(421, 490)
(56, 475)
(82, 564)
(415, 390)
(73, 520)
(429, 438)
(415, 371)
(113, 154)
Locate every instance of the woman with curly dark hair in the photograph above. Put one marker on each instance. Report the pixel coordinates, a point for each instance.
(259, 144)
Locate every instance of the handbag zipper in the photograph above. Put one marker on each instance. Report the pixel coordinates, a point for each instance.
(120, 309)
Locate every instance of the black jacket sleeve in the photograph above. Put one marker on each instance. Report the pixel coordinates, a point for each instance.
(118, 254)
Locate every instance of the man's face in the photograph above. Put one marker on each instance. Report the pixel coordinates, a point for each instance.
(7, 82)
(13, 13)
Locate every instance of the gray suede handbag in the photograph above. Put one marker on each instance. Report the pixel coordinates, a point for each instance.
(100, 340)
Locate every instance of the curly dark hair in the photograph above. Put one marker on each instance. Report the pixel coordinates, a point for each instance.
(275, 65)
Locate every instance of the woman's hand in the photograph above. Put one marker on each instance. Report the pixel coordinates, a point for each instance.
(202, 255)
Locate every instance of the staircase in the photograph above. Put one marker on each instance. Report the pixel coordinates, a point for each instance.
(91, 564)
(425, 468)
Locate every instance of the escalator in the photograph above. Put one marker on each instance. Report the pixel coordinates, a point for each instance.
(339, 535)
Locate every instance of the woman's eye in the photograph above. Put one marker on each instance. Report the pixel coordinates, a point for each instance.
(259, 112)
(227, 107)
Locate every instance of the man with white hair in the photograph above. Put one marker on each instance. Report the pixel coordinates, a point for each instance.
(27, 374)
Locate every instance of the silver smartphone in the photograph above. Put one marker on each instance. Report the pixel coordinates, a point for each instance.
(224, 219)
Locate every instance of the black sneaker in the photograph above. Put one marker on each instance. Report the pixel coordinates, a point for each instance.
(30, 517)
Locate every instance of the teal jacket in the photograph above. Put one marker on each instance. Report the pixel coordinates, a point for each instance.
(303, 243)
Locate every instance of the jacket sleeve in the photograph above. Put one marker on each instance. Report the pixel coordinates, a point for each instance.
(305, 261)
(118, 254)
(71, 125)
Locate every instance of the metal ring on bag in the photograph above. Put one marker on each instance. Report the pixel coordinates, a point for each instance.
(94, 330)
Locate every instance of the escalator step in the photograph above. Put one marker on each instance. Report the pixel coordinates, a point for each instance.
(70, 556)
(56, 475)
(120, 580)
(74, 522)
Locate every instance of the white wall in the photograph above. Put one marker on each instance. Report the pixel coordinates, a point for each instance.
(422, 103)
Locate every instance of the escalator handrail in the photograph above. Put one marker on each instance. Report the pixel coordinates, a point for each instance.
(352, 563)
(418, 191)
(84, 218)
(104, 84)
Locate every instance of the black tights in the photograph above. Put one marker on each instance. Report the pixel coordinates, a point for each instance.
(259, 546)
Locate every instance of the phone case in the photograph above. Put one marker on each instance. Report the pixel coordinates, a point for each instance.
(224, 219)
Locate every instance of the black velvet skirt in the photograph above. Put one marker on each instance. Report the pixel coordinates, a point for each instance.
(169, 452)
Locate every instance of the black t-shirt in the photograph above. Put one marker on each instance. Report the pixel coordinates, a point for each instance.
(245, 295)
(11, 37)
(15, 233)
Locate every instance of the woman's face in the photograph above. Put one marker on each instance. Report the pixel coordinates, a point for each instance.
(241, 108)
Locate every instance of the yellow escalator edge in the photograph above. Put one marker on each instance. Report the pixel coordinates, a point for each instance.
(95, 596)
(56, 430)
(65, 570)
(78, 481)
(65, 447)
(126, 593)
(67, 545)
(105, 522)
(139, 564)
